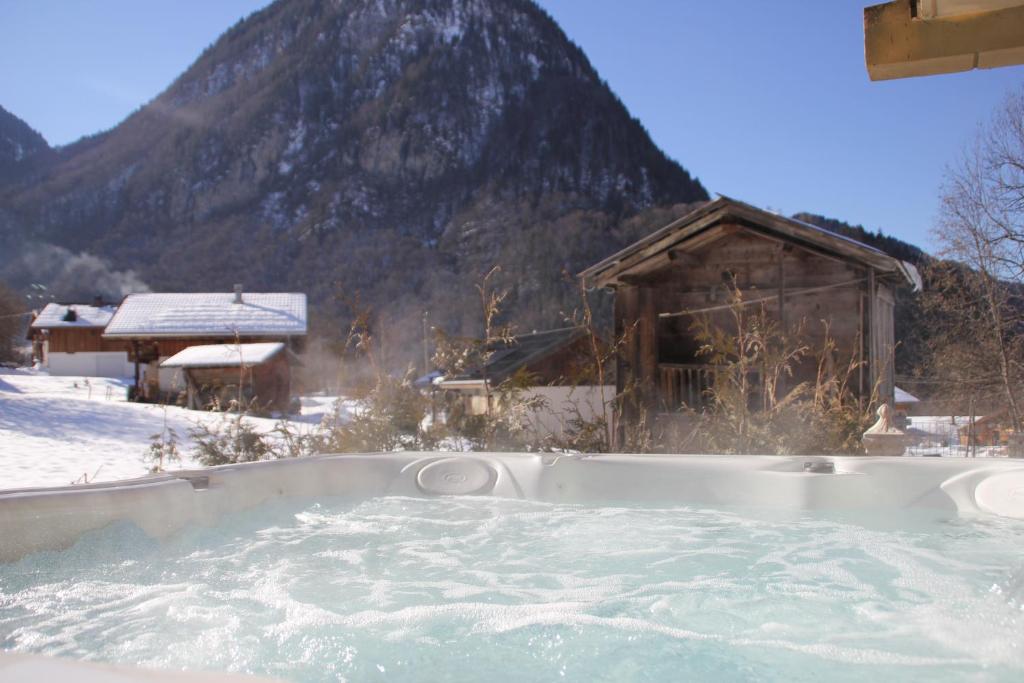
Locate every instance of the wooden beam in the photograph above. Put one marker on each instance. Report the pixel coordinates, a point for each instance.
(135, 353)
(770, 297)
(860, 352)
(782, 291)
(781, 387)
(897, 44)
(661, 259)
(683, 258)
(872, 351)
(689, 234)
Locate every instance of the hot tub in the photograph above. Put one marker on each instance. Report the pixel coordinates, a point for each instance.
(427, 566)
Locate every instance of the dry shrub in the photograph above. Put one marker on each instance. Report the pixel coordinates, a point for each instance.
(752, 408)
(229, 441)
(391, 419)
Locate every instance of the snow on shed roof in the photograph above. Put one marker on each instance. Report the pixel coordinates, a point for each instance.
(209, 315)
(223, 355)
(902, 396)
(55, 315)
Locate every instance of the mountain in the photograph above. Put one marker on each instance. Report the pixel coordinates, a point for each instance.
(392, 148)
(20, 148)
(893, 246)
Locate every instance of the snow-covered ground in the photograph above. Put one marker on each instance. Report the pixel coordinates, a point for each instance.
(59, 430)
(937, 435)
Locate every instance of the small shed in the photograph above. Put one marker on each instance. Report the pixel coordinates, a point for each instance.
(904, 400)
(156, 326)
(216, 374)
(559, 366)
(792, 269)
(67, 339)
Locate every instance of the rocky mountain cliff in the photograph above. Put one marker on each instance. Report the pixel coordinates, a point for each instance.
(394, 148)
(21, 148)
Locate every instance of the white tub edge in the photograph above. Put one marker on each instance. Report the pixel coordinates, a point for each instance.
(40, 519)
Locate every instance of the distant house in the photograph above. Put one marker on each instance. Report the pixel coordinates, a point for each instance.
(994, 429)
(67, 339)
(904, 400)
(220, 373)
(559, 366)
(158, 326)
(792, 270)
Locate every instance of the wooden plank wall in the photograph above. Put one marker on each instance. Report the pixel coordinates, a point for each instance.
(82, 339)
(760, 266)
(883, 340)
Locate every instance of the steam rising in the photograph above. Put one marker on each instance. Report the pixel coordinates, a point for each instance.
(68, 276)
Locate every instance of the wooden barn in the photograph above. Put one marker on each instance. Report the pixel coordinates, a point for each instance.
(217, 374)
(794, 270)
(67, 339)
(158, 326)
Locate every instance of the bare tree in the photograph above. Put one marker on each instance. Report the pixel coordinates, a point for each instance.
(982, 227)
(494, 334)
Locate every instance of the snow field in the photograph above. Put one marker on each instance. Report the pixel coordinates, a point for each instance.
(58, 430)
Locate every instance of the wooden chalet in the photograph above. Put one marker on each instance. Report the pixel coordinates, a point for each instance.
(795, 270)
(157, 326)
(67, 339)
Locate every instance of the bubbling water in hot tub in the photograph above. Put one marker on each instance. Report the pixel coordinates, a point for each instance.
(480, 588)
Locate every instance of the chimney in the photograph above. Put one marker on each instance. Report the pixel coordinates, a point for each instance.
(238, 294)
(97, 301)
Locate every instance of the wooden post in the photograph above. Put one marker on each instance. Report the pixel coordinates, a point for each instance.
(872, 331)
(135, 353)
(780, 387)
(782, 289)
(647, 346)
(972, 437)
(622, 314)
(860, 350)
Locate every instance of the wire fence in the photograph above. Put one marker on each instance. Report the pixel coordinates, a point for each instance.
(962, 436)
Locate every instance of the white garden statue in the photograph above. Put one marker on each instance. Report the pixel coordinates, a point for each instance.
(884, 437)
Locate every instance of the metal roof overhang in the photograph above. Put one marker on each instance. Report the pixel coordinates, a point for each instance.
(907, 38)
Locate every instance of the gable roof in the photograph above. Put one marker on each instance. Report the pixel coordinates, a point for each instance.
(54, 315)
(223, 355)
(209, 315)
(726, 210)
(525, 349)
(901, 396)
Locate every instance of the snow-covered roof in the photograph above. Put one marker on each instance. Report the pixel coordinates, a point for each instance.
(223, 355)
(209, 315)
(56, 315)
(905, 396)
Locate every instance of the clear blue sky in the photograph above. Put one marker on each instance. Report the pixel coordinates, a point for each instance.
(765, 101)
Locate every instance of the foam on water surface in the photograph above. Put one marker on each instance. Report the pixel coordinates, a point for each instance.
(495, 589)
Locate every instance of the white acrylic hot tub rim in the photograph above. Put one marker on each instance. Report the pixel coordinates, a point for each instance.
(39, 519)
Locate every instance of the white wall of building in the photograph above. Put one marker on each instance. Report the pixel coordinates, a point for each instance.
(90, 364)
(564, 403)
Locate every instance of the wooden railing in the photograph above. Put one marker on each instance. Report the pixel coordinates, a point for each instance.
(684, 384)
